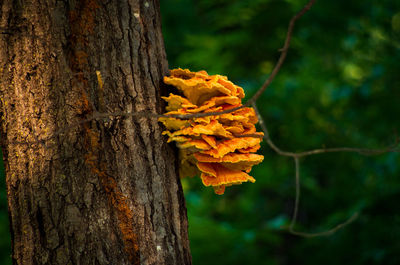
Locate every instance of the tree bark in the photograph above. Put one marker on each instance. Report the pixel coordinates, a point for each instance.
(99, 192)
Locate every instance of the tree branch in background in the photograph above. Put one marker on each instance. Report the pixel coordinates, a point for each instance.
(296, 156)
(283, 50)
(296, 210)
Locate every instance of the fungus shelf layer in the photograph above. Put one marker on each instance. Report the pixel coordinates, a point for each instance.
(214, 147)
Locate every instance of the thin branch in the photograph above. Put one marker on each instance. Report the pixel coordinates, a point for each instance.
(362, 151)
(296, 211)
(284, 51)
(328, 232)
(297, 199)
(296, 156)
(254, 135)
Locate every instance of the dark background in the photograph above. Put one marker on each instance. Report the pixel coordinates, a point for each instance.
(340, 86)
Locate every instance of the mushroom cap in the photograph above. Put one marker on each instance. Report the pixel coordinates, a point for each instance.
(221, 175)
(228, 146)
(197, 90)
(214, 102)
(199, 86)
(173, 123)
(251, 149)
(219, 190)
(176, 102)
(199, 144)
(210, 140)
(213, 128)
(235, 161)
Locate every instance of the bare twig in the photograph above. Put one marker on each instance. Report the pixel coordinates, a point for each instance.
(297, 199)
(296, 156)
(362, 151)
(284, 51)
(296, 211)
(327, 232)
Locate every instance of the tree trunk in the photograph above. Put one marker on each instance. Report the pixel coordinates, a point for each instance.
(100, 192)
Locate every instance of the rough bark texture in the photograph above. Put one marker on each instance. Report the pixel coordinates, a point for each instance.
(102, 192)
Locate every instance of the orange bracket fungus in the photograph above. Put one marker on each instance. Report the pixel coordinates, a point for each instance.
(214, 147)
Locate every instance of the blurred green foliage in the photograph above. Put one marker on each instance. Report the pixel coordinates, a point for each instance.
(340, 86)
